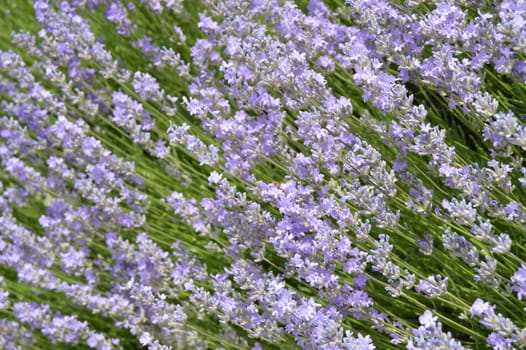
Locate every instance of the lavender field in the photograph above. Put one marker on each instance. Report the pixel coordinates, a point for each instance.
(262, 174)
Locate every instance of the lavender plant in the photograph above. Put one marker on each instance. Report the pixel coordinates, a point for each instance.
(262, 174)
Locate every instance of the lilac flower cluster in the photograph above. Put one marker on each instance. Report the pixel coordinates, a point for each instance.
(263, 174)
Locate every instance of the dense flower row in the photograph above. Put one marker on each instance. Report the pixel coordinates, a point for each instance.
(263, 174)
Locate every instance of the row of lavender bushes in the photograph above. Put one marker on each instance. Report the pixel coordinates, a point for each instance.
(262, 174)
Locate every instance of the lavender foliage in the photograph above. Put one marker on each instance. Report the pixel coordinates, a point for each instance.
(266, 174)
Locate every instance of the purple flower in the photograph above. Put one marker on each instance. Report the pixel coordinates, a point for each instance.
(431, 336)
(519, 282)
(481, 308)
(432, 286)
(147, 87)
